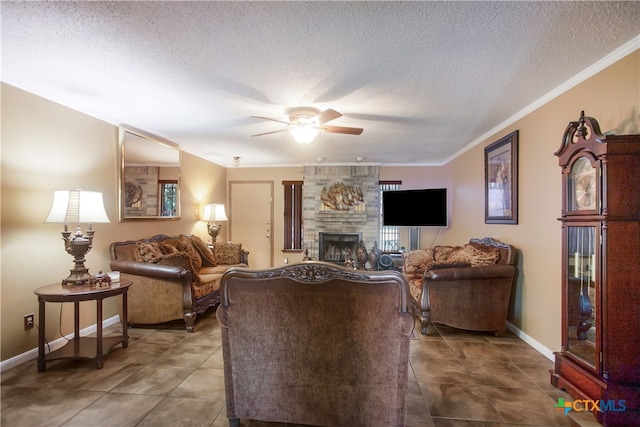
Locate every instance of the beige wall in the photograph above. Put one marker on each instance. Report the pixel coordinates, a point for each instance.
(47, 147)
(423, 177)
(613, 98)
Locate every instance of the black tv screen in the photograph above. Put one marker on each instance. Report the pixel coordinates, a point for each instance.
(418, 208)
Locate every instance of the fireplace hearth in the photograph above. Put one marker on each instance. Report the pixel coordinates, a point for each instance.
(334, 247)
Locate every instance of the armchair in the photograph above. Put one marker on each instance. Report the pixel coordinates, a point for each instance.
(315, 343)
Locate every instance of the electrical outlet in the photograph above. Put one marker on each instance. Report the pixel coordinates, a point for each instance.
(28, 321)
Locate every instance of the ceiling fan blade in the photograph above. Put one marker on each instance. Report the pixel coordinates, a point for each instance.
(273, 131)
(342, 129)
(268, 118)
(326, 116)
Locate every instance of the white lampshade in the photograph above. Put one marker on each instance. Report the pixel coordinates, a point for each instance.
(214, 212)
(77, 206)
(304, 134)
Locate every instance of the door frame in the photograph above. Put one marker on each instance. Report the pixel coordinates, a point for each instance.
(230, 204)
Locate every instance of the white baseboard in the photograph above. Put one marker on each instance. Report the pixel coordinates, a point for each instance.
(54, 345)
(532, 342)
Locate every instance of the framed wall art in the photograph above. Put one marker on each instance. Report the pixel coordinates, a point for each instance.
(501, 181)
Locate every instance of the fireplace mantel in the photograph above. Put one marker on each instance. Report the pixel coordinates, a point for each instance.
(348, 217)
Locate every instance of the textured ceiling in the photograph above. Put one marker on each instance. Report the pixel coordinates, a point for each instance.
(424, 79)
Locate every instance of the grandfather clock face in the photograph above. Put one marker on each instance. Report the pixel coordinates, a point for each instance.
(582, 194)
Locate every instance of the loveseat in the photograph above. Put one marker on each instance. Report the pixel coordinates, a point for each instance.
(316, 344)
(466, 287)
(173, 277)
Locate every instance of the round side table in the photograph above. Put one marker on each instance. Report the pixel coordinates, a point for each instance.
(88, 348)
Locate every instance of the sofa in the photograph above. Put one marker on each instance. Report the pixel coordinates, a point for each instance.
(466, 287)
(173, 277)
(315, 343)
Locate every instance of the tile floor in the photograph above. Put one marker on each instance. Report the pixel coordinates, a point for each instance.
(168, 377)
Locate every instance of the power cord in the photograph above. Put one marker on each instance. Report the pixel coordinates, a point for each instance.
(434, 239)
(45, 339)
(60, 324)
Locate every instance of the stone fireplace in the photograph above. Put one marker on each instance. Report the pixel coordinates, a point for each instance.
(357, 210)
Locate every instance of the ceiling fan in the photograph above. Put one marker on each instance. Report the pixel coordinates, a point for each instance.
(306, 122)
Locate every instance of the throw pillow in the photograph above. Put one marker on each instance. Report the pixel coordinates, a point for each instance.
(184, 245)
(206, 254)
(182, 260)
(167, 249)
(441, 253)
(416, 261)
(147, 252)
(171, 241)
(227, 253)
(474, 255)
(490, 249)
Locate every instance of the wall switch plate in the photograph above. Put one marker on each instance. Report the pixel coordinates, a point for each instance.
(28, 321)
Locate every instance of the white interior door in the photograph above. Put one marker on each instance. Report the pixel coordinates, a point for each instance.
(252, 219)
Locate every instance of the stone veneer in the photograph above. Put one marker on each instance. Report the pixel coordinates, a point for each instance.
(317, 218)
(146, 177)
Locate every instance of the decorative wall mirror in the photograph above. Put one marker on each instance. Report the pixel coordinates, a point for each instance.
(149, 176)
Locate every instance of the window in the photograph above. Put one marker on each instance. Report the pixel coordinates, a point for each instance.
(292, 215)
(168, 197)
(389, 235)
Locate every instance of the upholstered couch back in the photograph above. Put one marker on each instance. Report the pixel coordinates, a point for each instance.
(314, 343)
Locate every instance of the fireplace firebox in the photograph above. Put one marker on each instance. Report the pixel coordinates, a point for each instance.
(334, 247)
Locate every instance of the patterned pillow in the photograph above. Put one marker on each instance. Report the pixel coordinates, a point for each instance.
(147, 252)
(167, 249)
(416, 262)
(441, 253)
(475, 255)
(206, 254)
(184, 245)
(227, 253)
(180, 259)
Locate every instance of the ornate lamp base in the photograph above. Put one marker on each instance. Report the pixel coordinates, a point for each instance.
(77, 276)
(78, 245)
(213, 230)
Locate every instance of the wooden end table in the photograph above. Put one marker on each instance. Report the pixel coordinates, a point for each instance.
(89, 348)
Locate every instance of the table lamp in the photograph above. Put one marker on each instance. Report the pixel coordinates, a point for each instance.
(212, 213)
(77, 206)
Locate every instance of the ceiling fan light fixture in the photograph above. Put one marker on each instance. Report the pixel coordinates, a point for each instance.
(306, 123)
(304, 134)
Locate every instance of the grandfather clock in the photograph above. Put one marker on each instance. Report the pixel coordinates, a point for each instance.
(600, 355)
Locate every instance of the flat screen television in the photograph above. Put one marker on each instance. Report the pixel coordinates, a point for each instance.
(415, 208)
